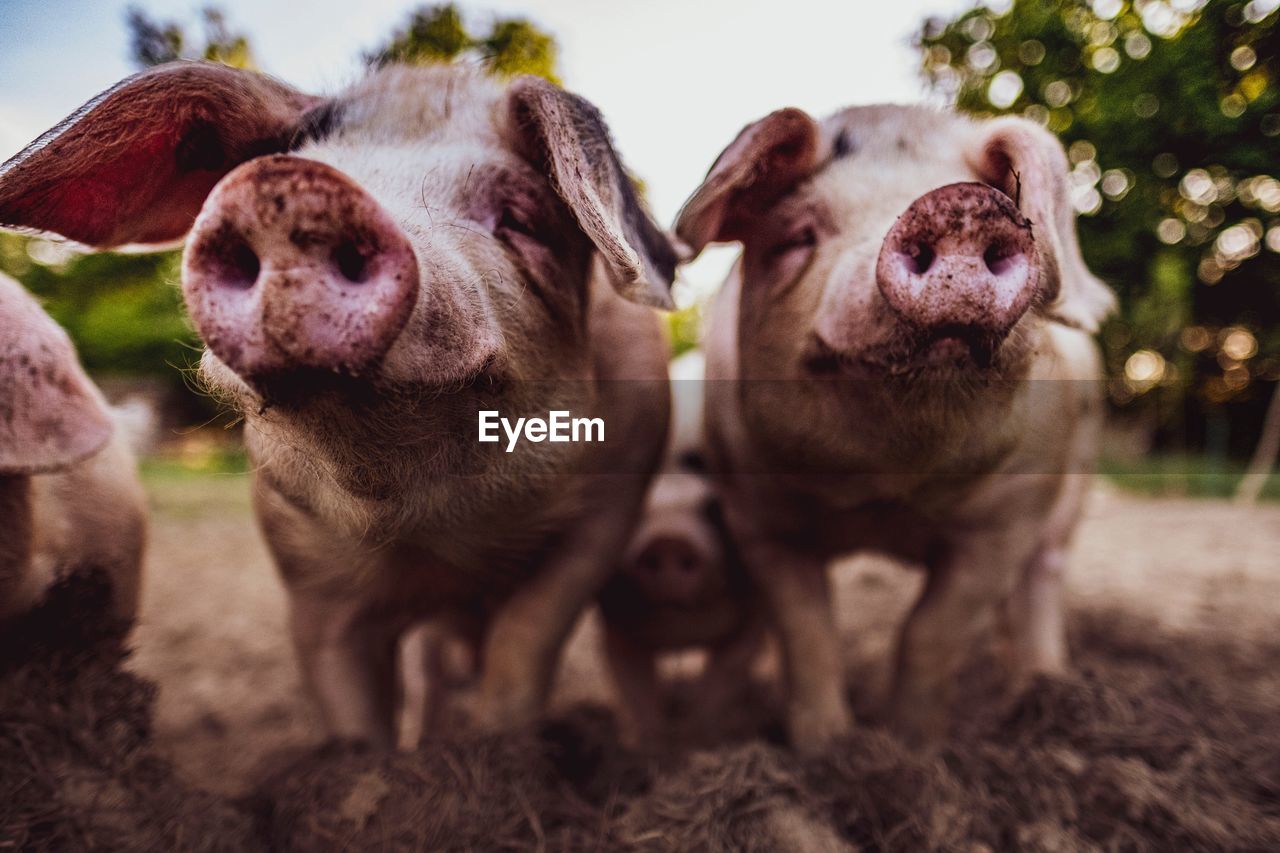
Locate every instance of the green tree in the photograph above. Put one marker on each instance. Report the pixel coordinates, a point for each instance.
(1170, 112)
(153, 42)
(438, 34)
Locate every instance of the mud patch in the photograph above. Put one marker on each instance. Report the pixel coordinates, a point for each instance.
(77, 770)
(1160, 741)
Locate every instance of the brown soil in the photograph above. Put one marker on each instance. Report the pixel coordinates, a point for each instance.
(1166, 737)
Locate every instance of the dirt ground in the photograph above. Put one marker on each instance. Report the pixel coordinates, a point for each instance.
(1167, 735)
(212, 632)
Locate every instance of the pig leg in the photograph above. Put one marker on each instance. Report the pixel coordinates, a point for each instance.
(15, 546)
(635, 677)
(450, 663)
(964, 585)
(799, 596)
(729, 669)
(1034, 626)
(527, 631)
(348, 659)
(346, 645)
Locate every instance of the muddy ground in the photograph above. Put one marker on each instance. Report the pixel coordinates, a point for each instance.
(1167, 736)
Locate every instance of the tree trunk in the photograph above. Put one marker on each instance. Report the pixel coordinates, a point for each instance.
(1264, 455)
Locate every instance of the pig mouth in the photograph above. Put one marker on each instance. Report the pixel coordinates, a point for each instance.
(958, 346)
(299, 388)
(936, 353)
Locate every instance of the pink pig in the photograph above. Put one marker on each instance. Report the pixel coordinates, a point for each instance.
(901, 361)
(69, 492)
(370, 272)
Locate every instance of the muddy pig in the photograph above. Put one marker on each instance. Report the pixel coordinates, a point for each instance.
(680, 584)
(901, 361)
(69, 492)
(370, 272)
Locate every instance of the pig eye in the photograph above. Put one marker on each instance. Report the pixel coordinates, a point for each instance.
(512, 222)
(802, 240)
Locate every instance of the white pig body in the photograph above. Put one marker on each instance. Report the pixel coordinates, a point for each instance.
(369, 272)
(921, 383)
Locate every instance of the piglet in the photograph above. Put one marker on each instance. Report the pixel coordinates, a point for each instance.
(70, 498)
(901, 361)
(680, 585)
(371, 272)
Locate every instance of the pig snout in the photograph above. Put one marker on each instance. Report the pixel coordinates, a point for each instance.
(291, 265)
(675, 564)
(960, 262)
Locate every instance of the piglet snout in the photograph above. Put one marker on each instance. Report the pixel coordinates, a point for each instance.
(960, 260)
(675, 563)
(291, 265)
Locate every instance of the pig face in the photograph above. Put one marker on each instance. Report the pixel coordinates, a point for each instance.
(678, 556)
(895, 245)
(51, 415)
(430, 230)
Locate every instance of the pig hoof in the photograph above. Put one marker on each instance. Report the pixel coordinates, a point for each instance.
(919, 724)
(814, 730)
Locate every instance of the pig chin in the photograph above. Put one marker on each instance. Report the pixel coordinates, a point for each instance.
(903, 354)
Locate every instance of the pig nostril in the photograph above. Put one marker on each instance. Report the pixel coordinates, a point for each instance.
(353, 265)
(998, 259)
(921, 259)
(240, 264)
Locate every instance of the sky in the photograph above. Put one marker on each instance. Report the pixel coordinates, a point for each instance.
(675, 79)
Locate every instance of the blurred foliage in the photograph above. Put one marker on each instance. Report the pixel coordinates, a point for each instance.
(684, 329)
(154, 42)
(1170, 113)
(124, 311)
(438, 34)
(1188, 476)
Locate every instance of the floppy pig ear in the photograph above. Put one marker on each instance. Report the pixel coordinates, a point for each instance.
(1027, 163)
(768, 158)
(135, 164)
(51, 415)
(565, 136)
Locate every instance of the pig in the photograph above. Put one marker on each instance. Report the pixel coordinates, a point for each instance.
(680, 584)
(70, 498)
(368, 272)
(900, 361)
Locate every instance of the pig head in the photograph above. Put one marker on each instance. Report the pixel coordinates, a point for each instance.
(901, 246)
(909, 281)
(69, 495)
(368, 271)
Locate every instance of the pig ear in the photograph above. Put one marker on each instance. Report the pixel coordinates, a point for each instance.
(566, 137)
(51, 415)
(135, 164)
(1027, 163)
(767, 159)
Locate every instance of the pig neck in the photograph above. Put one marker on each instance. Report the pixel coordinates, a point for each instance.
(407, 467)
(15, 533)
